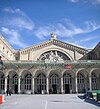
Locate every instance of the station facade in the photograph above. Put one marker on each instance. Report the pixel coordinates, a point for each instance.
(49, 67)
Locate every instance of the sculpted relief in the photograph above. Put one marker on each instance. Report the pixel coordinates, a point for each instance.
(53, 56)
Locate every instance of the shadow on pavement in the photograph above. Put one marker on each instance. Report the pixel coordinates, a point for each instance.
(90, 101)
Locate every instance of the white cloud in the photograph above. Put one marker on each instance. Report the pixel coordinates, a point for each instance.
(74, 1)
(17, 18)
(88, 39)
(92, 26)
(42, 31)
(68, 29)
(21, 23)
(13, 37)
(10, 10)
(93, 2)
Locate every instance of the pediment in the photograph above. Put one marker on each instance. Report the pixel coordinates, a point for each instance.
(57, 43)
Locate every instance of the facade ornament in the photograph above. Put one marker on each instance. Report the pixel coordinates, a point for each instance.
(53, 35)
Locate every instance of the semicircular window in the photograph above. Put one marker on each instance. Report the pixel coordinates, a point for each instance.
(53, 56)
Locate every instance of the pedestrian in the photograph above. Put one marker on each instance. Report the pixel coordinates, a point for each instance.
(10, 91)
(7, 91)
(85, 92)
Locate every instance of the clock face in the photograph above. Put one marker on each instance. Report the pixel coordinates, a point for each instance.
(55, 59)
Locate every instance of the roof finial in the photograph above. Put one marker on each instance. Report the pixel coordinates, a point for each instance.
(53, 35)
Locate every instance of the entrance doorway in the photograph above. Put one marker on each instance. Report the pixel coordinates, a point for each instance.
(39, 89)
(67, 90)
(16, 89)
(67, 82)
(54, 84)
(41, 83)
(54, 89)
(15, 84)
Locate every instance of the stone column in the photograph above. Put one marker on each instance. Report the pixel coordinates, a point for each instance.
(62, 85)
(90, 83)
(19, 88)
(6, 77)
(33, 85)
(47, 85)
(76, 89)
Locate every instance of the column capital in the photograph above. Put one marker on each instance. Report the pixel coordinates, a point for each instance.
(19, 74)
(6, 76)
(19, 77)
(47, 76)
(33, 77)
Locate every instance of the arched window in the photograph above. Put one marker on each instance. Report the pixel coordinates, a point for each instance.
(54, 83)
(80, 81)
(28, 82)
(53, 55)
(67, 79)
(41, 83)
(67, 83)
(94, 81)
(15, 79)
(54, 79)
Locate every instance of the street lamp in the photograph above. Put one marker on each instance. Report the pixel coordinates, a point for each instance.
(1, 63)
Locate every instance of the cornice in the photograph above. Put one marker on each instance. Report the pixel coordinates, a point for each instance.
(57, 43)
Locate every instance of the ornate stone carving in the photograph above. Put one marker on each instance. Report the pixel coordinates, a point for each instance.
(53, 56)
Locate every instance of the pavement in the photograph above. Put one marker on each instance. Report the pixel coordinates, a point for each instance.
(57, 101)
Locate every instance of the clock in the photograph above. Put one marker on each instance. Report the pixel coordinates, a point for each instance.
(55, 59)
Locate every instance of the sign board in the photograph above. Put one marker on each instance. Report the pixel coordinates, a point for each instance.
(67, 66)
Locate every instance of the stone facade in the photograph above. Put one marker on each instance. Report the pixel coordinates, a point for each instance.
(6, 51)
(95, 53)
(52, 66)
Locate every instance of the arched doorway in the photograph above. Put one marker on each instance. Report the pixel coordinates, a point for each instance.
(41, 83)
(12, 81)
(15, 83)
(93, 81)
(66, 83)
(27, 83)
(81, 82)
(54, 84)
(2, 82)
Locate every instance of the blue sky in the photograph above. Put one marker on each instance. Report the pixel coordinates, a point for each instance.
(25, 23)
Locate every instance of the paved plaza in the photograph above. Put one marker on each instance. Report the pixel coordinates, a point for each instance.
(61, 101)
